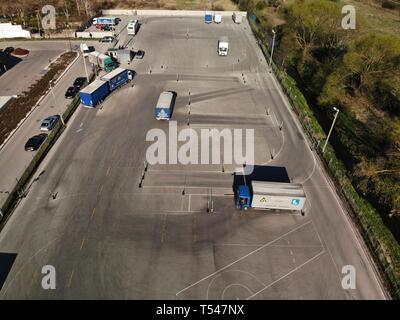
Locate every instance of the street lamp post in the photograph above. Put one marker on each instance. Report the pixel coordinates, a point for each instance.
(330, 130)
(84, 63)
(55, 103)
(273, 46)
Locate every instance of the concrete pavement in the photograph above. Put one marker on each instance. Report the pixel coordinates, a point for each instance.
(110, 239)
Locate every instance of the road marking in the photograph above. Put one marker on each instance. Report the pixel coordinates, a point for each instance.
(108, 171)
(287, 274)
(94, 210)
(244, 257)
(101, 189)
(83, 241)
(79, 130)
(163, 228)
(70, 279)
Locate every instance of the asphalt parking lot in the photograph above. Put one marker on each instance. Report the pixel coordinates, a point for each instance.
(109, 238)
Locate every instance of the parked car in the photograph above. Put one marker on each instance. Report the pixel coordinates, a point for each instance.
(79, 82)
(107, 28)
(49, 123)
(8, 50)
(71, 92)
(117, 20)
(35, 142)
(107, 39)
(139, 54)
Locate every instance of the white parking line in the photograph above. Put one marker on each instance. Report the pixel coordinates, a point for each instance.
(287, 274)
(244, 257)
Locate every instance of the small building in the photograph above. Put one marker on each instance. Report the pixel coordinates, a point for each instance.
(8, 30)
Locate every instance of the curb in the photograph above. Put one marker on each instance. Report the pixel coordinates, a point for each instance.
(35, 106)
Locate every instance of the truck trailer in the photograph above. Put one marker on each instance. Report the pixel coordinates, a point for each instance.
(123, 56)
(99, 22)
(163, 110)
(217, 18)
(270, 196)
(117, 78)
(223, 45)
(95, 92)
(102, 61)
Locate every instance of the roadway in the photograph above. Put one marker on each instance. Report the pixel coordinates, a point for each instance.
(13, 158)
(110, 239)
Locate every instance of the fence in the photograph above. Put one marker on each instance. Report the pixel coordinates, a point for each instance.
(19, 191)
(383, 246)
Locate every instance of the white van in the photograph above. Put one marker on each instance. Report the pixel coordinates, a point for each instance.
(132, 27)
(85, 49)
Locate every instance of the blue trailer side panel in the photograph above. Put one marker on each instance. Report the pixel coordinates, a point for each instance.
(117, 78)
(94, 93)
(208, 18)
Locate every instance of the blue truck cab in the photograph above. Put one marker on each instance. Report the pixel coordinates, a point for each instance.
(243, 198)
(208, 17)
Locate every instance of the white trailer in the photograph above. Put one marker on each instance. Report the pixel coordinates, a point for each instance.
(237, 17)
(217, 18)
(223, 45)
(277, 195)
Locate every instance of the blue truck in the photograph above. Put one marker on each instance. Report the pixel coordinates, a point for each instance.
(99, 89)
(208, 17)
(163, 109)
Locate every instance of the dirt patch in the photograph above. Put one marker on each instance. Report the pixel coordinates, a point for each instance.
(17, 108)
(20, 52)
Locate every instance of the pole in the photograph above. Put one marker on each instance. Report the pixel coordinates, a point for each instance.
(330, 130)
(55, 104)
(84, 63)
(273, 46)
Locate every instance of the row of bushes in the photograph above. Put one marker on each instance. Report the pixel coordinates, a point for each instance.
(379, 239)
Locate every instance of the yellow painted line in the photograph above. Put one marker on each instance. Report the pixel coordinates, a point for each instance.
(82, 243)
(108, 171)
(70, 279)
(94, 210)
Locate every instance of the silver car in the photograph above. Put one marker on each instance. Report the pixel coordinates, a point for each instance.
(107, 39)
(49, 123)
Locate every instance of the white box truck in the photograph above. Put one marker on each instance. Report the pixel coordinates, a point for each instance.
(237, 17)
(217, 18)
(223, 46)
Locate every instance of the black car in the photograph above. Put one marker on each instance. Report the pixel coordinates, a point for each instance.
(71, 92)
(139, 54)
(79, 82)
(8, 50)
(35, 142)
